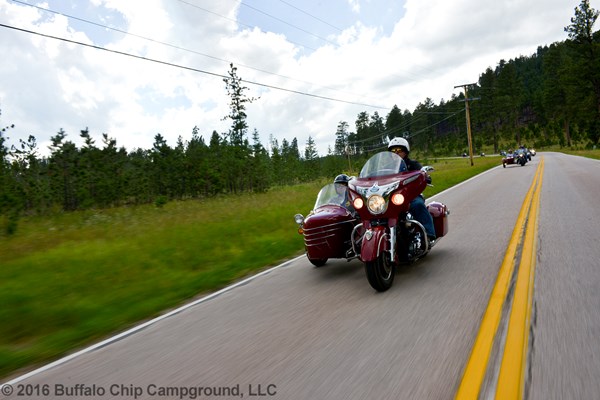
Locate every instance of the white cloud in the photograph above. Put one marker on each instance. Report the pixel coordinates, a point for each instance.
(354, 5)
(433, 46)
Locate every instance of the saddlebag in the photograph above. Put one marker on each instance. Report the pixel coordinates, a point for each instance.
(439, 212)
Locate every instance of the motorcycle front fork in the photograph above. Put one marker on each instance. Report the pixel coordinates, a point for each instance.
(356, 243)
(393, 243)
(393, 235)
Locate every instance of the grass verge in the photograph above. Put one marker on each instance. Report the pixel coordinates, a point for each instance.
(71, 279)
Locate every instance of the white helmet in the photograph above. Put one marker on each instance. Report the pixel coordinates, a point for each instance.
(399, 141)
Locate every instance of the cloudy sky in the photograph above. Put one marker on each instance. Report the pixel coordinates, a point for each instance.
(309, 63)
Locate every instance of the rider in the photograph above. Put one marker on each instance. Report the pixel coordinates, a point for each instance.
(341, 188)
(418, 209)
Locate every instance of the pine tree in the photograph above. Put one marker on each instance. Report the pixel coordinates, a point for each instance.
(586, 50)
(341, 139)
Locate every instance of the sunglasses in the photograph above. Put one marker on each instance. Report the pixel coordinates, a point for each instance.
(399, 150)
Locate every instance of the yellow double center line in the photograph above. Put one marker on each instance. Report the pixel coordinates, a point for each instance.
(511, 377)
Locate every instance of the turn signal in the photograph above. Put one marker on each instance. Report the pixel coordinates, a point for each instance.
(397, 199)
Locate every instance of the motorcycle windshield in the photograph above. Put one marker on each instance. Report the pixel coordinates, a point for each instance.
(382, 164)
(332, 194)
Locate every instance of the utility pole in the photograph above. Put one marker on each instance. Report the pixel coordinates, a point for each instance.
(469, 140)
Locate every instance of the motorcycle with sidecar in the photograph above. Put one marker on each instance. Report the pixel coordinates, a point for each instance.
(518, 157)
(373, 221)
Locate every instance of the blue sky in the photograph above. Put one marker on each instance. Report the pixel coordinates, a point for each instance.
(314, 23)
(362, 55)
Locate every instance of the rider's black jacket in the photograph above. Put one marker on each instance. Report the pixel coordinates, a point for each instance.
(412, 165)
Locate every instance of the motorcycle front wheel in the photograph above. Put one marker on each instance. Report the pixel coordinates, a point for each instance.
(380, 273)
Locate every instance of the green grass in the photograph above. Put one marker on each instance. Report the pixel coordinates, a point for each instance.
(595, 154)
(451, 171)
(69, 279)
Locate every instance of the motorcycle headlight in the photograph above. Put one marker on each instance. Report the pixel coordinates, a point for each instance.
(376, 204)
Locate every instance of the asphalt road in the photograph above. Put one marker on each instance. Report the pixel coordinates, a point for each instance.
(300, 332)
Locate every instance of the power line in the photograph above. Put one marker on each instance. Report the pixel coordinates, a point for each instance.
(187, 68)
(404, 126)
(437, 123)
(182, 48)
(310, 33)
(287, 23)
(388, 131)
(234, 20)
(310, 15)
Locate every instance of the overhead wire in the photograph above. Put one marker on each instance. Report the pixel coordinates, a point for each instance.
(183, 48)
(234, 20)
(310, 15)
(186, 67)
(340, 30)
(289, 24)
(337, 46)
(216, 58)
(391, 130)
(387, 132)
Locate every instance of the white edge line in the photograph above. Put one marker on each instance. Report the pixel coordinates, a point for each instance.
(144, 325)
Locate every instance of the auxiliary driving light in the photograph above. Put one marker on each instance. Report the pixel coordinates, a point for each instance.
(358, 203)
(398, 199)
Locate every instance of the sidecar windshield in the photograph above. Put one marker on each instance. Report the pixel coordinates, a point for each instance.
(381, 164)
(333, 193)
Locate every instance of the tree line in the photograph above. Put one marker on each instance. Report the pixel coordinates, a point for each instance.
(549, 98)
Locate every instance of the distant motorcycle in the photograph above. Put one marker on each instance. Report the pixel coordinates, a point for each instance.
(389, 236)
(518, 157)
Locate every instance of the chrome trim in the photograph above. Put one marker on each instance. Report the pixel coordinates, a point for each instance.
(383, 191)
(392, 243)
(322, 233)
(319, 238)
(390, 188)
(411, 179)
(326, 226)
(412, 221)
(379, 244)
(354, 243)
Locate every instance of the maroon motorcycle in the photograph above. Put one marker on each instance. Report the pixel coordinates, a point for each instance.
(328, 228)
(388, 235)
